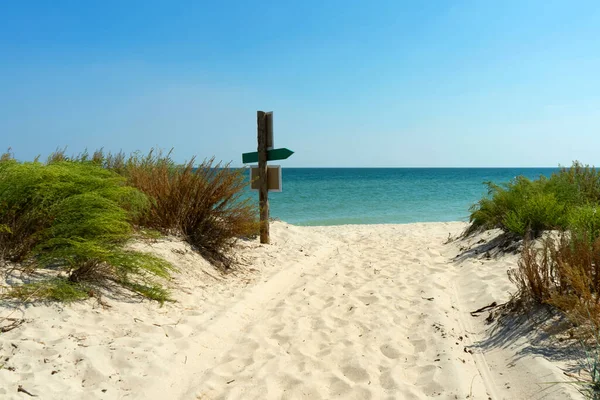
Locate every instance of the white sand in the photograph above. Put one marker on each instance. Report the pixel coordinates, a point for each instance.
(352, 312)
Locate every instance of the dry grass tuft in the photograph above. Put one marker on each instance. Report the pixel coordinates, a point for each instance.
(204, 204)
(564, 273)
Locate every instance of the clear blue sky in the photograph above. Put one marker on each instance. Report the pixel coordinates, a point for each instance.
(351, 83)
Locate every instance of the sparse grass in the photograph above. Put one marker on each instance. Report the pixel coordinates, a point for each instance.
(564, 273)
(54, 290)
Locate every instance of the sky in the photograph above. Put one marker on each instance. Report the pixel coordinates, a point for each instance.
(351, 83)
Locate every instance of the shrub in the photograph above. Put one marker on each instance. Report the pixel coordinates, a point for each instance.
(535, 275)
(514, 207)
(564, 273)
(73, 216)
(584, 221)
(539, 212)
(522, 205)
(204, 204)
(577, 185)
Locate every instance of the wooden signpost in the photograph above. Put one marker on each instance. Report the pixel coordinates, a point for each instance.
(264, 122)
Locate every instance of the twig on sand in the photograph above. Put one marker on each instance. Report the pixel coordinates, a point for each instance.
(482, 309)
(174, 323)
(20, 389)
(15, 322)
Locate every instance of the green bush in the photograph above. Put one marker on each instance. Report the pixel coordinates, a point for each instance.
(577, 185)
(584, 221)
(539, 212)
(76, 213)
(511, 207)
(204, 203)
(523, 205)
(74, 216)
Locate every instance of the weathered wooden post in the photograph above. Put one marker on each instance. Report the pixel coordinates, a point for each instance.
(263, 189)
(266, 152)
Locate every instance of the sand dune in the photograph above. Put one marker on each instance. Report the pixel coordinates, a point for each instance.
(352, 312)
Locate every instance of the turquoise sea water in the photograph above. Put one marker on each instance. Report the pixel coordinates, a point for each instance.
(336, 196)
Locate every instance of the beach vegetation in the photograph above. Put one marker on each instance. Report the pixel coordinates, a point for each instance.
(204, 204)
(74, 215)
(563, 272)
(523, 206)
(558, 218)
(73, 218)
(48, 290)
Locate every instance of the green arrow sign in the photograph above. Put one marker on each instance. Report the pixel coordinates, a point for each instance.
(272, 155)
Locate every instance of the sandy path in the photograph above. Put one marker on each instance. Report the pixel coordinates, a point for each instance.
(352, 312)
(372, 319)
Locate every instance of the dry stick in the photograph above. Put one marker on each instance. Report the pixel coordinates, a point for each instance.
(471, 389)
(20, 389)
(15, 324)
(482, 309)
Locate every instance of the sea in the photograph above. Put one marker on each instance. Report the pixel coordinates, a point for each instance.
(339, 196)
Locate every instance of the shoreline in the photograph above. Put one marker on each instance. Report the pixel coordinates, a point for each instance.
(357, 311)
(277, 220)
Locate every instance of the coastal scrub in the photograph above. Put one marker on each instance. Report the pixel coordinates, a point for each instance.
(72, 218)
(525, 206)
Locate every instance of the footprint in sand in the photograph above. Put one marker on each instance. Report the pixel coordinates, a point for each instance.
(387, 380)
(419, 345)
(368, 299)
(389, 351)
(355, 374)
(338, 387)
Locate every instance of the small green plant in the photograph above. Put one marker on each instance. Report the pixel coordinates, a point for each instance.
(54, 290)
(562, 271)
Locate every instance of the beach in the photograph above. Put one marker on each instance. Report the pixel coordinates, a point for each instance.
(349, 311)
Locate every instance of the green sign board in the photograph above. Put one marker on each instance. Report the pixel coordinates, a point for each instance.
(272, 155)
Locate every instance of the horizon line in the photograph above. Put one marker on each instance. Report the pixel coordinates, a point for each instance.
(417, 167)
